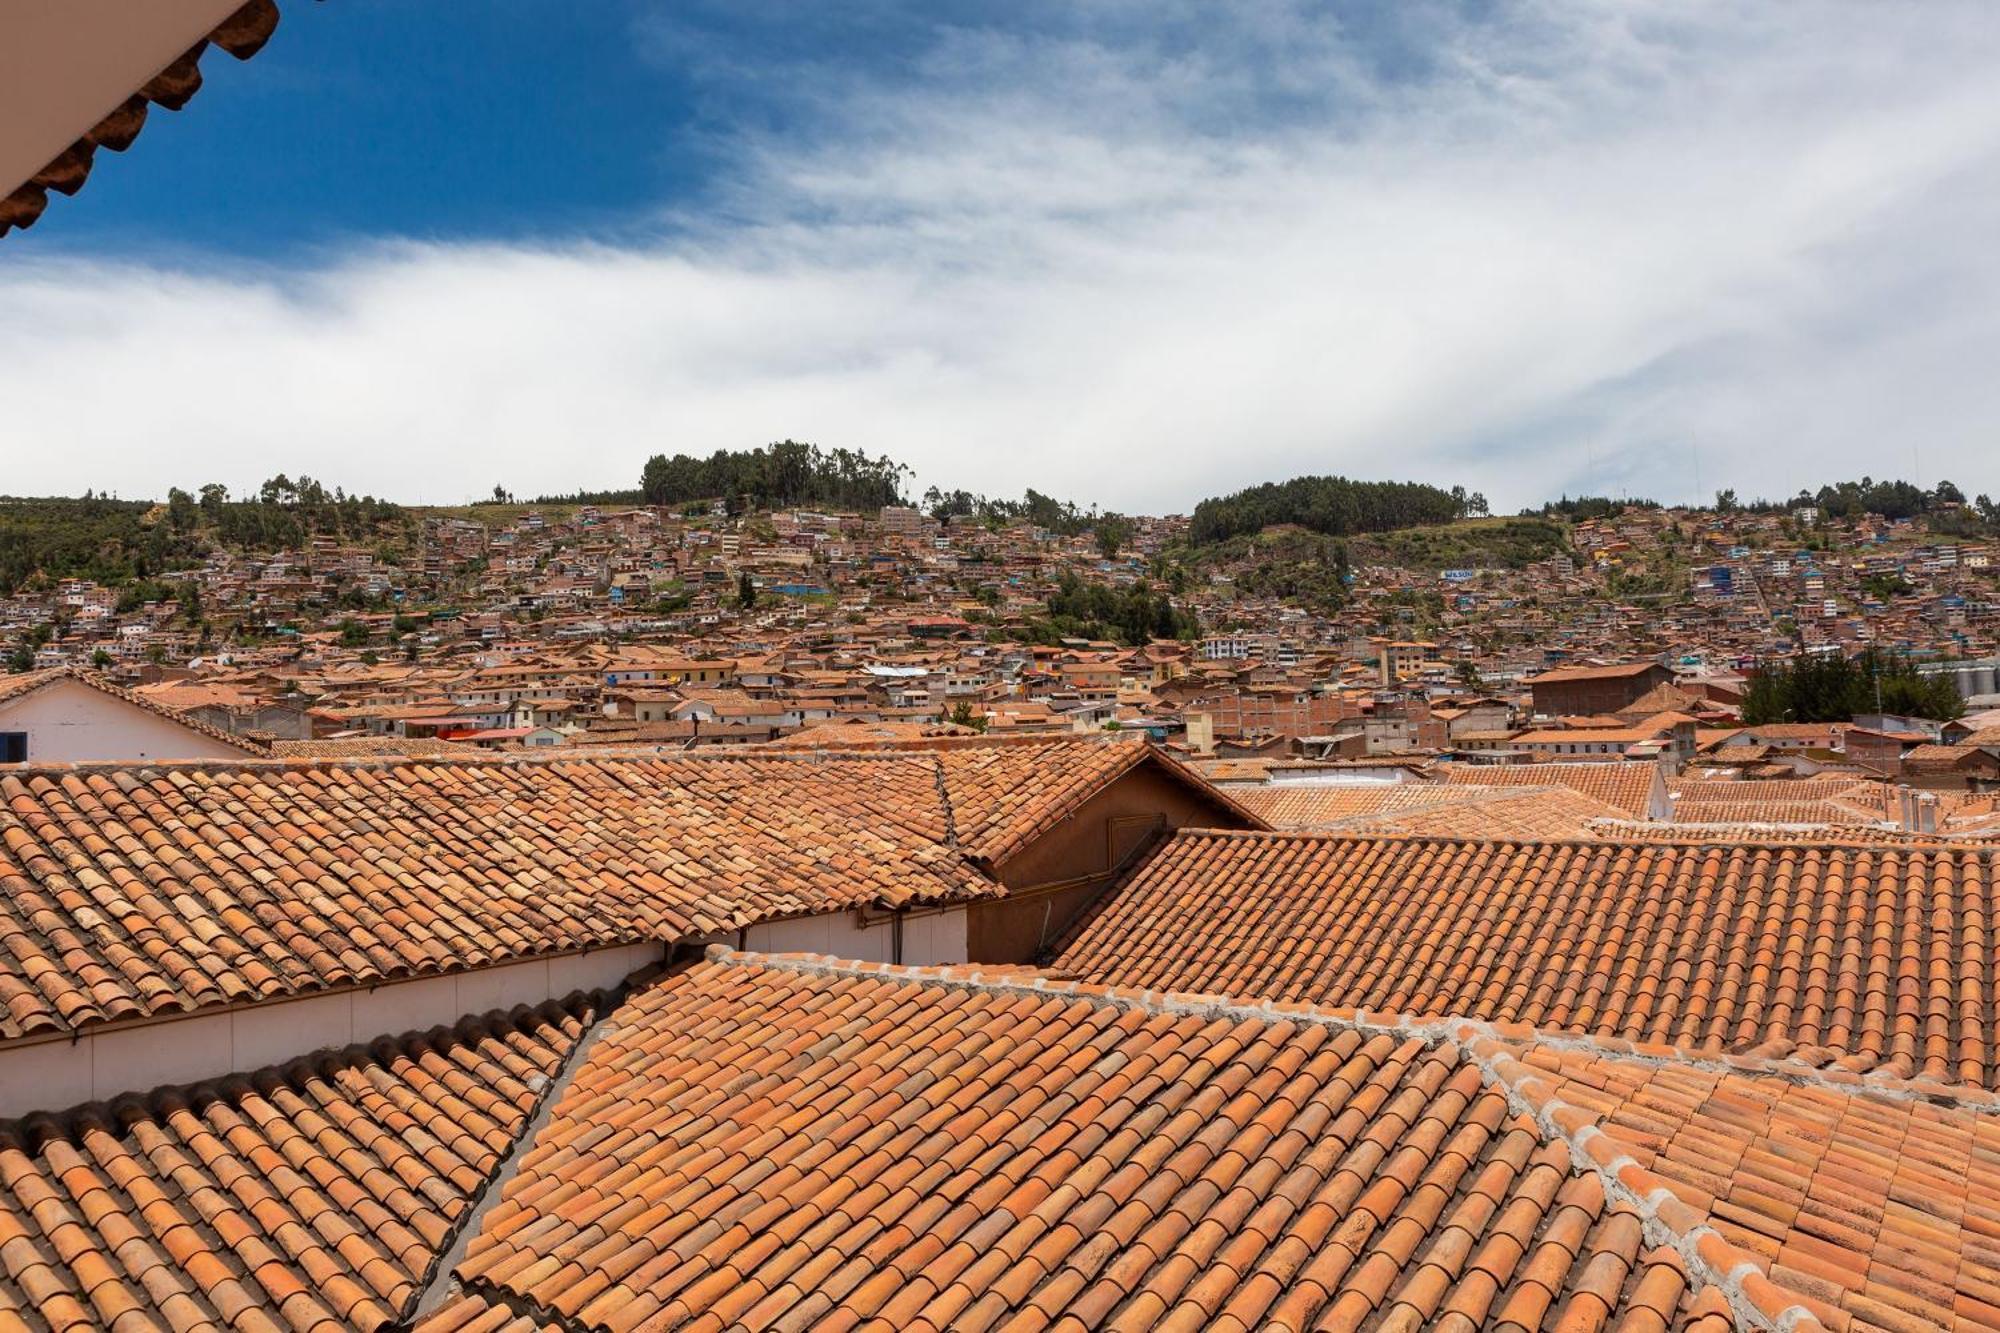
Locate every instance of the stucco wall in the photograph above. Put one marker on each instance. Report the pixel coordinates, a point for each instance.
(51, 1075)
(928, 938)
(67, 721)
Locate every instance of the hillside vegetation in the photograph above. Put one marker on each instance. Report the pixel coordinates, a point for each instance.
(1331, 506)
(1496, 543)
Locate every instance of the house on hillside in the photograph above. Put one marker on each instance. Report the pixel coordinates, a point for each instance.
(1583, 691)
(69, 715)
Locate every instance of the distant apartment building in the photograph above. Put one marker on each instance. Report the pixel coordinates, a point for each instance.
(901, 520)
(1588, 690)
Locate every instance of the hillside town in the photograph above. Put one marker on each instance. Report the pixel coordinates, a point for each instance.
(678, 628)
(768, 901)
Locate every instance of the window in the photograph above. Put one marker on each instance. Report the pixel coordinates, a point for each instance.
(13, 747)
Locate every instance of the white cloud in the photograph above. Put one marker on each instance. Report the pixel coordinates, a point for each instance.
(1558, 247)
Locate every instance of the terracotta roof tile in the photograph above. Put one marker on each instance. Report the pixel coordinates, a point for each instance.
(1451, 810)
(1877, 1203)
(799, 1144)
(129, 891)
(1630, 786)
(1881, 953)
(317, 1194)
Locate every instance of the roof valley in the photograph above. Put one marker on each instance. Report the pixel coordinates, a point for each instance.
(437, 1285)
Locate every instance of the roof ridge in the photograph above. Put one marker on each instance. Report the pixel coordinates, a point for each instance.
(944, 802)
(1448, 1027)
(1969, 1097)
(1711, 1258)
(1754, 1299)
(1695, 842)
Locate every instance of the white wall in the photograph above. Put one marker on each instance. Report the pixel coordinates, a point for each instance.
(51, 1075)
(930, 938)
(67, 721)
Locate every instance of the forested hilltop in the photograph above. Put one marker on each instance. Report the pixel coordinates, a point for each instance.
(119, 542)
(1331, 506)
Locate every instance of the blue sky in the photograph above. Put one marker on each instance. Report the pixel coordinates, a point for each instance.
(1130, 252)
(502, 119)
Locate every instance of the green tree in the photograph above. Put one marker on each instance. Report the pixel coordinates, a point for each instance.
(963, 714)
(1827, 687)
(1334, 506)
(746, 591)
(1111, 533)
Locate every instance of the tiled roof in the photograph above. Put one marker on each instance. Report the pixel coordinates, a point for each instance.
(1518, 813)
(20, 686)
(134, 891)
(242, 34)
(1627, 785)
(1771, 789)
(1823, 835)
(1451, 810)
(798, 1144)
(351, 746)
(1879, 1206)
(1883, 953)
(1316, 805)
(1688, 810)
(316, 1195)
(1616, 672)
(853, 733)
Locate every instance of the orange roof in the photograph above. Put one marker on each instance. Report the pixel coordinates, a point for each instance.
(1689, 810)
(797, 1143)
(1771, 789)
(133, 891)
(1456, 809)
(1872, 1206)
(858, 732)
(317, 1194)
(1879, 952)
(1631, 787)
(1821, 835)
(1569, 673)
(350, 746)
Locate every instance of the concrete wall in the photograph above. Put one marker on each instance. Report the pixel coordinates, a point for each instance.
(928, 938)
(51, 1075)
(67, 721)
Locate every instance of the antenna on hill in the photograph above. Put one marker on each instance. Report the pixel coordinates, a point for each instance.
(1694, 453)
